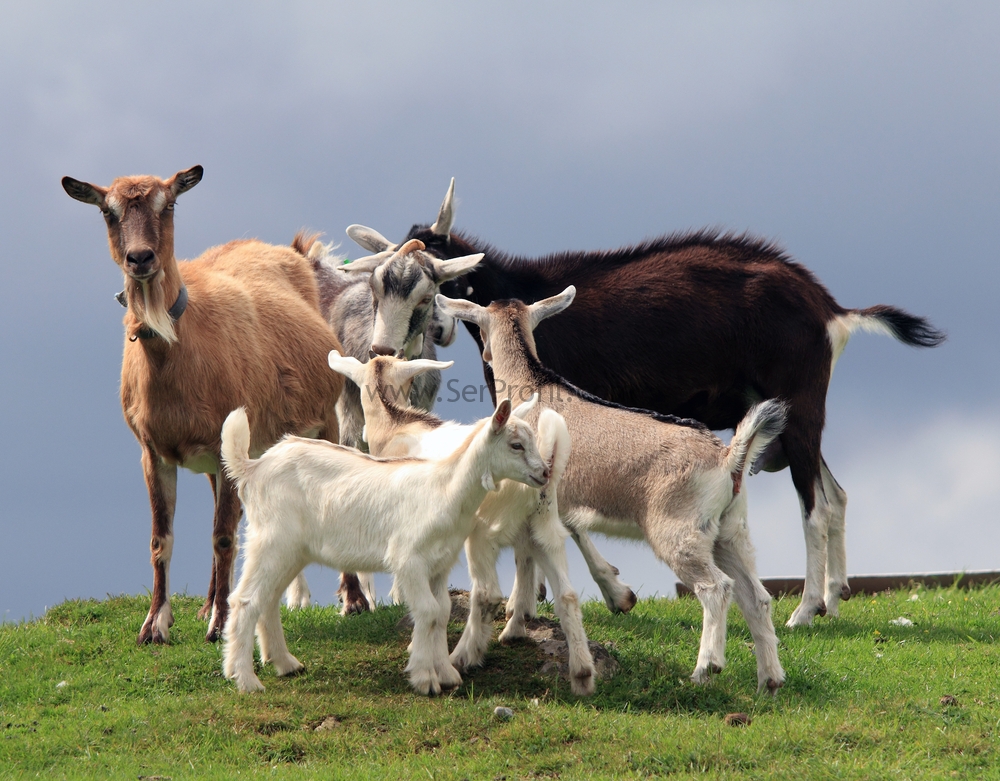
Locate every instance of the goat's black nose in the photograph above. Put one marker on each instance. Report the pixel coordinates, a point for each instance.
(140, 258)
(380, 349)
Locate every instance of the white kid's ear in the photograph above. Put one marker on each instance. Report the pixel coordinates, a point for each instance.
(446, 214)
(501, 416)
(460, 308)
(525, 407)
(347, 365)
(550, 306)
(406, 370)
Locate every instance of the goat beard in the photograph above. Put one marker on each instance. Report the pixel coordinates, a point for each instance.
(145, 301)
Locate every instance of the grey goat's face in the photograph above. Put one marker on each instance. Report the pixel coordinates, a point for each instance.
(403, 297)
(404, 282)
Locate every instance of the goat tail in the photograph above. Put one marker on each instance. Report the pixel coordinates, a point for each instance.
(307, 244)
(553, 443)
(908, 329)
(758, 429)
(236, 445)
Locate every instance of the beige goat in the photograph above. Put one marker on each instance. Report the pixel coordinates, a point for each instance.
(238, 326)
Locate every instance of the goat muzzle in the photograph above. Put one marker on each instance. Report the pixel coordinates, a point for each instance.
(140, 264)
(381, 349)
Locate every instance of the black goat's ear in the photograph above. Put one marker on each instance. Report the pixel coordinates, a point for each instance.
(83, 191)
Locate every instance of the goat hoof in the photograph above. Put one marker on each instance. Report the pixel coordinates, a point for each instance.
(582, 683)
(628, 602)
(773, 685)
(542, 591)
(714, 668)
(821, 609)
(150, 633)
(845, 592)
(355, 607)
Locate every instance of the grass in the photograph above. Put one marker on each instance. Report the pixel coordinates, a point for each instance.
(78, 699)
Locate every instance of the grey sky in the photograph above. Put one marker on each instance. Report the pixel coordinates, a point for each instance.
(862, 136)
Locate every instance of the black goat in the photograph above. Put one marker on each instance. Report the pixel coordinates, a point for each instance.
(700, 325)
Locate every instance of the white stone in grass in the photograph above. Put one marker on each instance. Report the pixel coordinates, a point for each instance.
(502, 713)
(61, 684)
(901, 622)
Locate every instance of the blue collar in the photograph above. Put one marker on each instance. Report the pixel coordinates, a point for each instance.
(175, 311)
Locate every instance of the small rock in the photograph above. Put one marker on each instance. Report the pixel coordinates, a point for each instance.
(502, 713)
(329, 723)
(459, 610)
(737, 720)
(552, 640)
(61, 684)
(949, 701)
(901, 622)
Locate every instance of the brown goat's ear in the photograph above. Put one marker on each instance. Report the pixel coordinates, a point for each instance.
(183, 181)
(82, 191)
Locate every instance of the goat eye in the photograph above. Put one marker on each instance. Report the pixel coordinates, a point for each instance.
(517, 446)
(169, 207)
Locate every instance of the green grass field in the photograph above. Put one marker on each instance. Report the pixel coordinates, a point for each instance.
(863, 699)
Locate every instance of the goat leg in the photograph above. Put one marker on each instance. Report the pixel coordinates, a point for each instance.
(352, 595)
(227, 517)
(161, 481)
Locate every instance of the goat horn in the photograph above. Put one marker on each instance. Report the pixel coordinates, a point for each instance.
(446, 214)
(413, 245)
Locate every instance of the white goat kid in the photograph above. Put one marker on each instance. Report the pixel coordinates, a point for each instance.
(309, 501)
(384, 305)
(647, 476)
(514, 515)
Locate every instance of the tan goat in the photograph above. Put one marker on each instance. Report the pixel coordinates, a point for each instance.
(238, 326)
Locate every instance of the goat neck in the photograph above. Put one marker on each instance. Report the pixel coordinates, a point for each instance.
(509, 348)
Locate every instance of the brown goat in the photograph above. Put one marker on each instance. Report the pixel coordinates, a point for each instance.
(238, 326)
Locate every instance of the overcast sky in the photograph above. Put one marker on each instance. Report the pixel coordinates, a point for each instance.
(861, 136)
